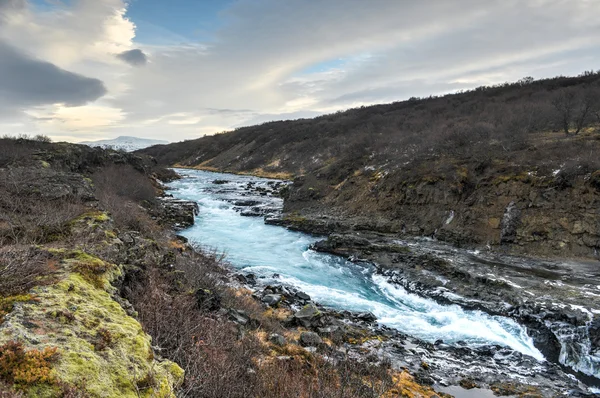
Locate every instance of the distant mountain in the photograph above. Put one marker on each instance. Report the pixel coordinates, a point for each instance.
(125, 143)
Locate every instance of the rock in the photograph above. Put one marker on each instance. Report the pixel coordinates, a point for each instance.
(366, 317)
(246, 203)
(248, 279)
(239, 317)
(178, 213)
(220, 182)
(277, 339)
(328, 329)
(272, 299)
(302, 296)
(308, 314)
(310, 339)
(208, 300)
(510, 223)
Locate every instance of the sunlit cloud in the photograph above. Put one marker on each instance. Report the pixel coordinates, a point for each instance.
(274, 60)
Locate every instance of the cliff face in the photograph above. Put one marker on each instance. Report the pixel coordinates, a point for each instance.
(520, 213)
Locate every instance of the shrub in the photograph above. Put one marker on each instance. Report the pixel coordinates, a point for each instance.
(123, 192)
(22, 268)
(24, 368)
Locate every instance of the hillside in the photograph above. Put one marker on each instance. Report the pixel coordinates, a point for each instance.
(515, 166)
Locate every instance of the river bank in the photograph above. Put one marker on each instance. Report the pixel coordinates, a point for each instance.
(232, 187)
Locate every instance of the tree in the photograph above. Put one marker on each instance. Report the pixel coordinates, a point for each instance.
(574, 110)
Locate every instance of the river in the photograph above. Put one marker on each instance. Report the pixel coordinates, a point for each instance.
(278, 255)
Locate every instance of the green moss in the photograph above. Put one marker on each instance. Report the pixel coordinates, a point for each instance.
(44, 164)
(111, 372)
(294, 218)
(93, 217)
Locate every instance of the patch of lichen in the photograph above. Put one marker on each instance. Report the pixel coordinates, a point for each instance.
(7, 303)
(125, 355)
(360, 337)
(92, 217)
(95, 270)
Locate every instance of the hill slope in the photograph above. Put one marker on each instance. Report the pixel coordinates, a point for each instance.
(444, 166)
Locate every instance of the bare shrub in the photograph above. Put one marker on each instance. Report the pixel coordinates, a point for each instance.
(122, 191)
(125, 182)
(216, 361)
(27, 216)
(21, 269)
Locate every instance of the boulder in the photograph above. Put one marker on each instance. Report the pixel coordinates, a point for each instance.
(272, 299)
(277, 339)
(179, 213)
(208, 300)
(307, 315)
(310, 339)
(366, 317)
(302, 296)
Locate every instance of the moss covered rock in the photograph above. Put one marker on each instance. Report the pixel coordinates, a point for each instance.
(102, 351)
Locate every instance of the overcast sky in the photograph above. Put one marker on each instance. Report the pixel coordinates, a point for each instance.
(178, 69)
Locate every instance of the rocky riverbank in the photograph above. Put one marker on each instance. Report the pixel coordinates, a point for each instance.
(562, 324)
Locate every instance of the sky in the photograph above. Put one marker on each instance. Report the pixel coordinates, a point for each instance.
(80, 70)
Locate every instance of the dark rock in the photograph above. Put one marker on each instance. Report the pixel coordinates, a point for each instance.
(220, 182)
(302, 296)
(310, 339)
(208, 300)
(277, 339)
(178, 213)
(307, 315)
(366, 317)
(246, 203)
(272, 299)
(248, 279)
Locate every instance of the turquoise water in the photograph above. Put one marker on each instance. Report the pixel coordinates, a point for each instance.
(264, 250)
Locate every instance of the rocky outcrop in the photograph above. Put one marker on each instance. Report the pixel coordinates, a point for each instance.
(489, 367)
(178, 214)
(77, 313)
(520, 214)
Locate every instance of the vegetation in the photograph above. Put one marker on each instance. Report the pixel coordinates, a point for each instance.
(111, 304)
(24, 368)
(404, 167)
(503, 121)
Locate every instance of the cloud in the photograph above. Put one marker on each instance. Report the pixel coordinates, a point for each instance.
(273, 59)
(135, 57)
(25, 81)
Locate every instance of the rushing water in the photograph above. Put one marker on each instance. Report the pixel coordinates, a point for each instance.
(266, 250)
